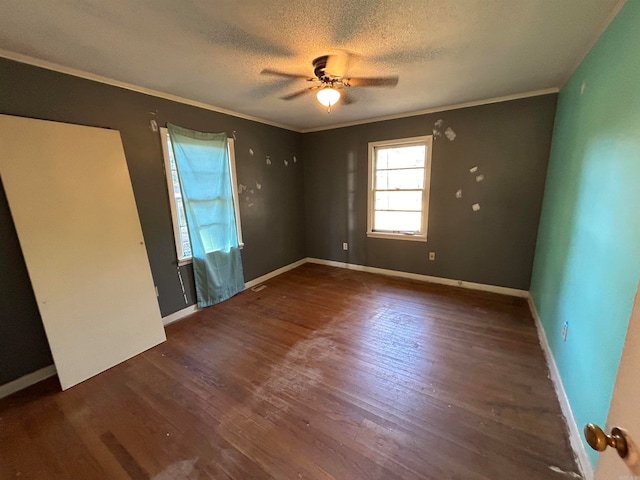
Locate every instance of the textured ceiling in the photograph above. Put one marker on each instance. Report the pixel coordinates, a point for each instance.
(444, 51)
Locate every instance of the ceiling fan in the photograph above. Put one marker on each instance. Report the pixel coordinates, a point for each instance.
(330, 78)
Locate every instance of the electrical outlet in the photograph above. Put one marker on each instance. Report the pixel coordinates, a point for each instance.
(432, 255)
(565, 330)
(345, 246)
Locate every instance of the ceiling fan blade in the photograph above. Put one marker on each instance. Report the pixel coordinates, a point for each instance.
(299, 93)
(372, 82)
(346, 99)
(277, 73)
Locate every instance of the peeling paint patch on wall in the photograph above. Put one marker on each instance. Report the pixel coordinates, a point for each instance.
(450, 134)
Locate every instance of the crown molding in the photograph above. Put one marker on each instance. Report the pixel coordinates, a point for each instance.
(18, 57)
(36, 62)
(594, 40)
(444, 108)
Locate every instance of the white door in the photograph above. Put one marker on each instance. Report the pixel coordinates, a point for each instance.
(72, 204)
(625, 406)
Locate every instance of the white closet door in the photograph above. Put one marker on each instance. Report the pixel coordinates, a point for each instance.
(72, 204)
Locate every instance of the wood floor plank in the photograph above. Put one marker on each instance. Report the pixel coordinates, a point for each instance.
(325, 374)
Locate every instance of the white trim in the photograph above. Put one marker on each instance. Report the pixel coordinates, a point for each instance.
(397, 236)
(56, 67)
(444, 108)
(185, 312)
(421, 236)
(593, 41)
(27, 380)
(514, 292)
(274, 273)
(179, 315)
(164, 140)
(554, 374)
(231, 149)
(18, 57)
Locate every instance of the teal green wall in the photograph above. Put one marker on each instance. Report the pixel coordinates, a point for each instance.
(587, 258)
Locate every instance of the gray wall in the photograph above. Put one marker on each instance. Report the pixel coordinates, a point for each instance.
(272, 217)
(509, 142)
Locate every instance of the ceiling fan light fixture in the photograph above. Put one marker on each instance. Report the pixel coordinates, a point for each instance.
(328, 96)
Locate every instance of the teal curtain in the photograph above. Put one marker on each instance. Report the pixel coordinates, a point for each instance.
(202, 161)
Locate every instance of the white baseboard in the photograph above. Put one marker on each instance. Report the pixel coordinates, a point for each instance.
(27, 380)
(185, 312)
(275, 273)
(514, 292)
(574, 433)
(179, 315)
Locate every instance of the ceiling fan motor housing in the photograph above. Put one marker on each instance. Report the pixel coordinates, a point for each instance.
(319, 66)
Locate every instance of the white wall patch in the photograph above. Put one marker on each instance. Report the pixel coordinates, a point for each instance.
(258, 186)
(480, 178)
(268, 160)
(437, 128)
(153, 125)
(286, 163)
(459, 194)
(473, 169)
(450, 134)
(251, 152)
(475, 207)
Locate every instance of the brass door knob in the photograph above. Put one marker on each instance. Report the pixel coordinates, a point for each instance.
(598, 440)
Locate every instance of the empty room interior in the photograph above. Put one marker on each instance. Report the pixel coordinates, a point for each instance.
(303, 240)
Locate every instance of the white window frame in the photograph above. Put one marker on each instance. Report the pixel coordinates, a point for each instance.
(427, 141)
(164, 140)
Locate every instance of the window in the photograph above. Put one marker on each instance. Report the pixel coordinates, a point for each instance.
(180, 231)
(399, 176)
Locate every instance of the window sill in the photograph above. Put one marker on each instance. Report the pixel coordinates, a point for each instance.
(397, 236)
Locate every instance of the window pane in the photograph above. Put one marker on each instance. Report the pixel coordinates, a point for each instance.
(401, 157)
(182, 219)
(381, 155)
(397, 221)
(412, 179)
(184, 240)
(399, 200)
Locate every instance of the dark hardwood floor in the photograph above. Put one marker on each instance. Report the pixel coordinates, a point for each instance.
(325, 374)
